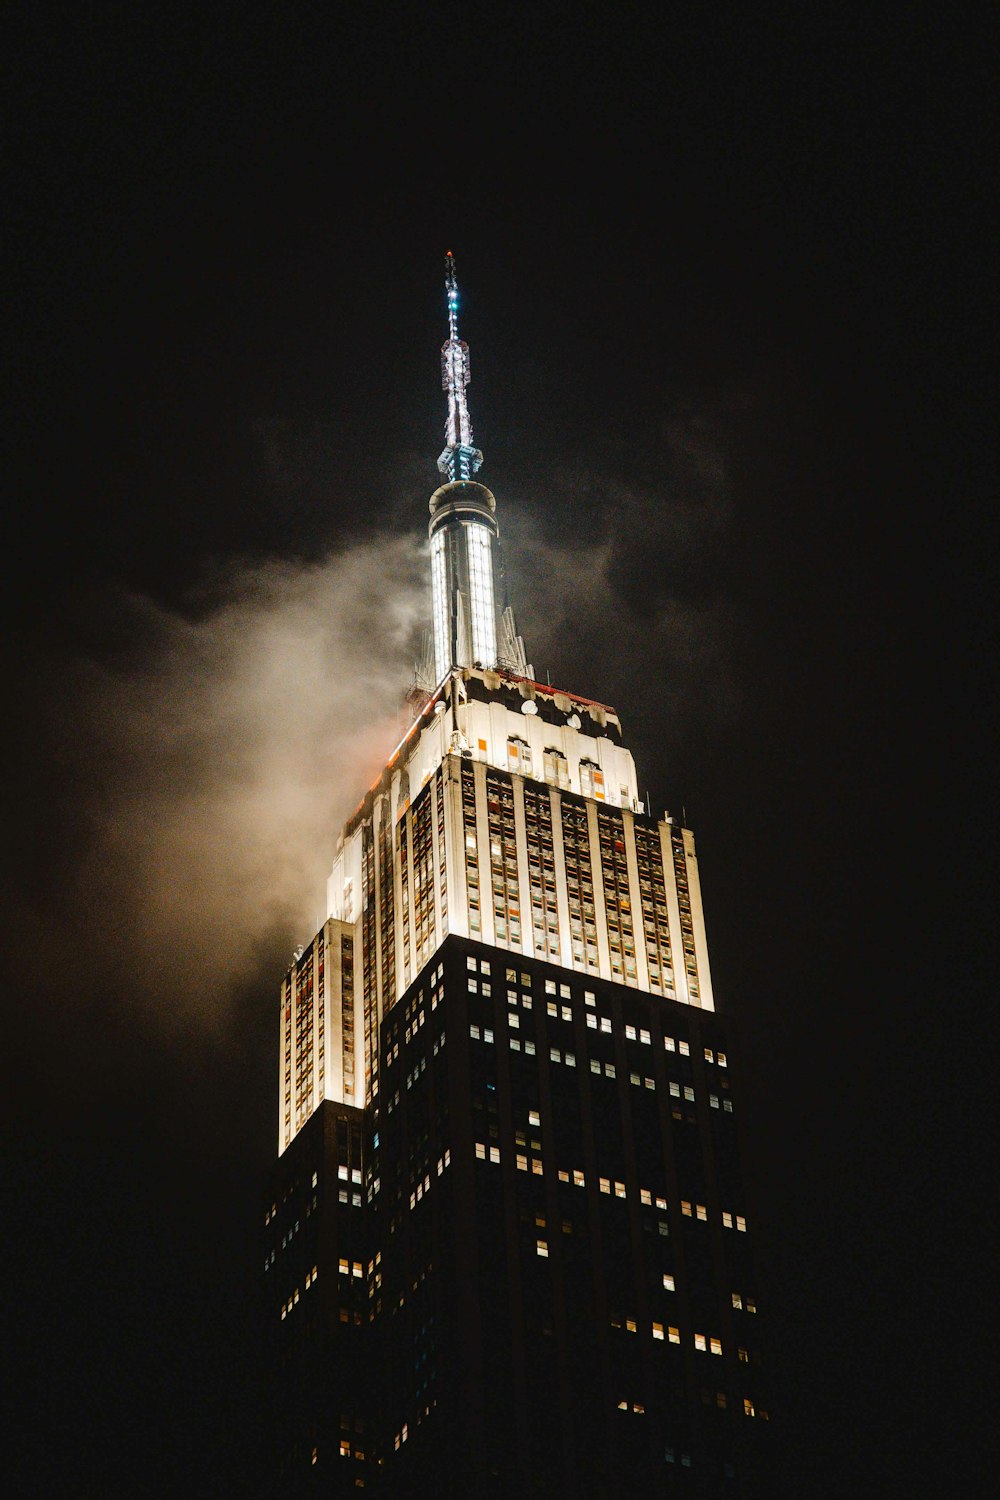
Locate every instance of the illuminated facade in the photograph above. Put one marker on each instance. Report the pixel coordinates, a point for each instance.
(506, 1242)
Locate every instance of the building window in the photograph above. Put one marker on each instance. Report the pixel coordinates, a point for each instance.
(519, 756)
(556, 768)
(591, 780)
(481, 605)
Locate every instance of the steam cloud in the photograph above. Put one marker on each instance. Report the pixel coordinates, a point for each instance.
(210, 779)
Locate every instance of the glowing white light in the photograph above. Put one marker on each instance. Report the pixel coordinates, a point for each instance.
(439, 592)
(481, 607)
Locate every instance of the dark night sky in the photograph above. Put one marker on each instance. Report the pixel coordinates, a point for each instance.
(725, 290)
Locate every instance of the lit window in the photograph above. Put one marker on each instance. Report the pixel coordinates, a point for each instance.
(699, 1341)
(542, 1248)
(686, 1208)
(721, 1060)
(630, 1033)
(556, 768)
(591, 780)
(709, 1055)
(481, 1150)
(737, 1300)
(669, 1044)
(481, 605)
(744, 1356)
(715, 1346)
(668, 1282)
(684, 1049)
(673, 1335)
(658, 1331)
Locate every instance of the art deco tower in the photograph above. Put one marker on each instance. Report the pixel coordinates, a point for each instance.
(506, 1244)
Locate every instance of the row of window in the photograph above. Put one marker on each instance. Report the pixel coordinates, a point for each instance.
(607, 1069)
(310, 1280)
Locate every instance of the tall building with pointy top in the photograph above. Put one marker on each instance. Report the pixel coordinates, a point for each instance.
(506, 1239)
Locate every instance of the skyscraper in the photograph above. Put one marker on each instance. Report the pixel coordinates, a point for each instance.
(506, 1242)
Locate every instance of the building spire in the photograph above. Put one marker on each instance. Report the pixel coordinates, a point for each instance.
(459, 459)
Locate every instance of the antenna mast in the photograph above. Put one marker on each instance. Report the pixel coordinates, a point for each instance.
(459, 460)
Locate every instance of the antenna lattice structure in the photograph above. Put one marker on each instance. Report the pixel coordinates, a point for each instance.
(459, 459)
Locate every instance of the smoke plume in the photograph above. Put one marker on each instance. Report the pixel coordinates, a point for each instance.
(203, 778)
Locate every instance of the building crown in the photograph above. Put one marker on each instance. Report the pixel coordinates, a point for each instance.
(473, 625)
